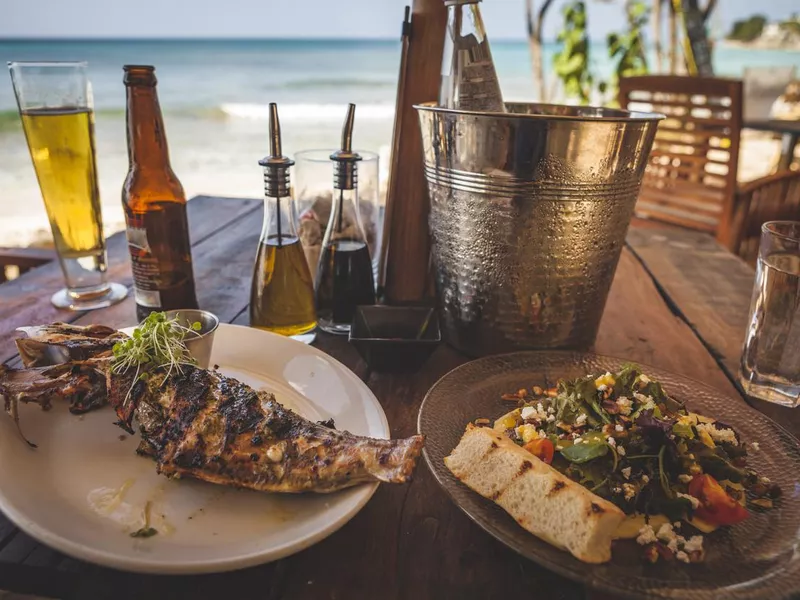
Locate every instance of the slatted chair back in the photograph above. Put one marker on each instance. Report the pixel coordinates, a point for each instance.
(690, 179)
(772, 198)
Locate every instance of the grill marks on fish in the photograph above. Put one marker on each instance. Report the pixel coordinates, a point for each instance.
(214, 428)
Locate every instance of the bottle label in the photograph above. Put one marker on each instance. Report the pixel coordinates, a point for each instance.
(161, 257)
(145, 265)
(478, 87)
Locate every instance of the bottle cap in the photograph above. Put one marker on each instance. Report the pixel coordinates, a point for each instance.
(276, 165)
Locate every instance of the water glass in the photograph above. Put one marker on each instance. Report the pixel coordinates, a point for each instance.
(313, 192)
(770, 367)
(55, 105)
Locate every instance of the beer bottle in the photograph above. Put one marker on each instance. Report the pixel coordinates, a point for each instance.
(155, 205)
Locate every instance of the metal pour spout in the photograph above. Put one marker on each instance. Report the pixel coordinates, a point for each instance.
(344, 171)
(276, 165)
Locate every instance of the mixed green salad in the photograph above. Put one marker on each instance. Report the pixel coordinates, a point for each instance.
(624, 438)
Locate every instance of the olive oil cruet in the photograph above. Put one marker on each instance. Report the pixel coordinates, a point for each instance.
(344, 273)
(282, 294)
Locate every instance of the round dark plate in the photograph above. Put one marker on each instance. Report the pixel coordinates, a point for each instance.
(759, 558)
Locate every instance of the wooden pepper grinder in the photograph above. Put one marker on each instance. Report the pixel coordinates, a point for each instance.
(404, 273)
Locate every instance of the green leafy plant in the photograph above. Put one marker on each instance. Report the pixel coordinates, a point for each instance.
(748, 29)
(627, 49)
(571, 62)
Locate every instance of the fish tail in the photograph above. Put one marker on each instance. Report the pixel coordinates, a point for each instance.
(393, 461)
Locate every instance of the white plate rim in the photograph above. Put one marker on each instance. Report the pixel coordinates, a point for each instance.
(81, 551)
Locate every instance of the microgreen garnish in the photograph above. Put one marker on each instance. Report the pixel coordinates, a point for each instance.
(158, 342)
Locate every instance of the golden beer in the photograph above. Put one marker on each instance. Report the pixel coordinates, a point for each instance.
(61, 143)
(55, 105)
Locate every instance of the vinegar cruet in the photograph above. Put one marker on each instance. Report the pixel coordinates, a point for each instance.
(282, 294)
(344, 274)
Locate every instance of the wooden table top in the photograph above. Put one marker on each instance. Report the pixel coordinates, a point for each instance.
(679, 301)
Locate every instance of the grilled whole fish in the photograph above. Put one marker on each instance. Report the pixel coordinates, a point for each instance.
(201, 424)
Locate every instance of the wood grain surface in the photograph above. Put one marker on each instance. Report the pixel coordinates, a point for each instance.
(678, 302)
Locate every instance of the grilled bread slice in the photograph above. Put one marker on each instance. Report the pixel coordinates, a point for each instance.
(542, 500)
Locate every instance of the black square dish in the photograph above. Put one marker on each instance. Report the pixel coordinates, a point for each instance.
(395, 338)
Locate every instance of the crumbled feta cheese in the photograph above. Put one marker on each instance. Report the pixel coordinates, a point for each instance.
(620, 450)
(766, 480)
(602, 387)
(665, 533)
(684, 478)
(528, 413)
(645, 479)
(646, 536)
(755, 446)
(542, 433)
(682, 556)
(540, 407)
(693, 544)
(646, 400)
(628, 491)
(718, 435)
(551, 418)
(695, 502)
(627, 472)
(551, 410)
(643, 379)
(676, 525)
(624, 405)
(577, 440)
(672, 545)
(619, 428)
(611, 441)
(581, 420)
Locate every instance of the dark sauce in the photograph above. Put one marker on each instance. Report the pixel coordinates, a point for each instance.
(344, 281)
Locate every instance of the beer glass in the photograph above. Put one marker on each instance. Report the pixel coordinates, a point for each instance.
(55, 105)
(770, 367)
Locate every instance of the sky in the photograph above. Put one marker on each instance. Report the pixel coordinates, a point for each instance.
(504, 19)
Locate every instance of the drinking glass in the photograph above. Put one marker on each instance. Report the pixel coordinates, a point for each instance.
(313, 191)
(770, 367)
(55, 105)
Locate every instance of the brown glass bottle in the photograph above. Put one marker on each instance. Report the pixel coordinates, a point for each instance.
(155, 205)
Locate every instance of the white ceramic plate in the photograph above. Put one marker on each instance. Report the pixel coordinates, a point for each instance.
(84, 489)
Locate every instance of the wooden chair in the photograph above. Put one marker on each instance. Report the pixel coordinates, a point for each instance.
(24, 259)
(690, 179)
(772, 198)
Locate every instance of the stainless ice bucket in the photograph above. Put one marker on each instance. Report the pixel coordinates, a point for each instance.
(529, 212)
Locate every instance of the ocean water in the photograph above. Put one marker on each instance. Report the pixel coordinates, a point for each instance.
(214, 96)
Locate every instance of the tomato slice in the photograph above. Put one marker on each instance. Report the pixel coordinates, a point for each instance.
(541, 448)
(716, 506)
